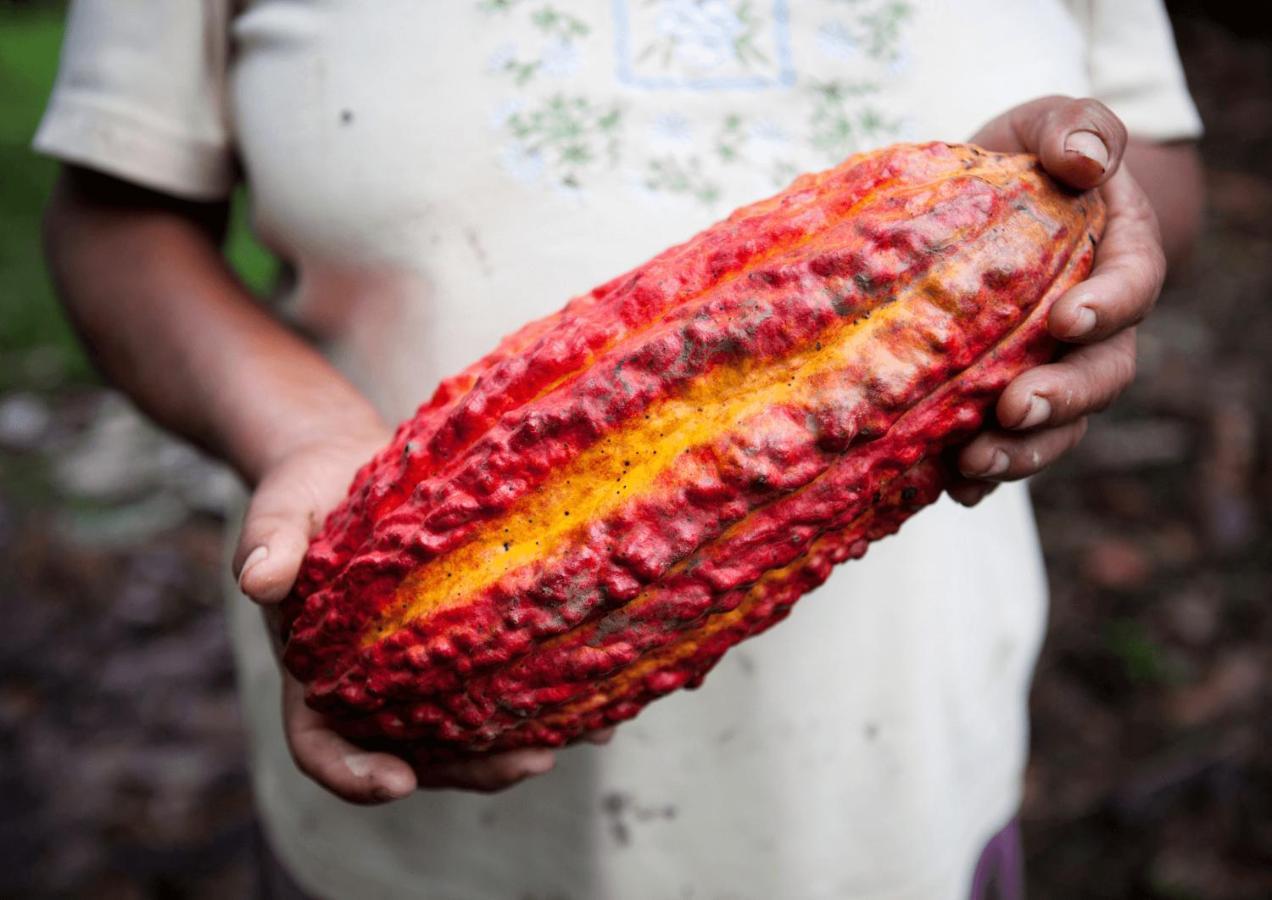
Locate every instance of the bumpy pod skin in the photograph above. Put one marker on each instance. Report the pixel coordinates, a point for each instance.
(590, 516)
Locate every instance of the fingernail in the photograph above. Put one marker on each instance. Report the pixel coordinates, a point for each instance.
(998, 464)
(1088, 144)
(604, 736)
(397, 784)
(1038, 411)
(1083, 322)
(256, 556)
(540, 763)
(975, 495)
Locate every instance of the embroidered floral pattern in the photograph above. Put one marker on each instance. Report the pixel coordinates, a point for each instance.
(704, 35)
(682, 176)
(882, 29)
(845, 118)
(562, 139)
(558, 56)
(711, 44)
(563, 134)
(846, 114)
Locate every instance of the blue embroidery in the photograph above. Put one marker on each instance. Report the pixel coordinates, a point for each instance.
(704, 45)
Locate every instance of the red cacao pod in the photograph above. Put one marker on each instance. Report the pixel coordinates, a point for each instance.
(590, 516)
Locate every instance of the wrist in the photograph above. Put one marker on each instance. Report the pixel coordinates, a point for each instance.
(356, 426)
(331, 415)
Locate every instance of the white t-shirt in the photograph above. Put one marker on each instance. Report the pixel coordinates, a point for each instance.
(440, 173)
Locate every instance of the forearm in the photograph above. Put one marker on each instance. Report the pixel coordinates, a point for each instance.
(166, 320)
(1171, 176)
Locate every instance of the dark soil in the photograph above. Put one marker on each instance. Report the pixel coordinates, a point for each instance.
(1152, 764)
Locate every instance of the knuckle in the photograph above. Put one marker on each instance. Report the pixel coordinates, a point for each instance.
(1146, 268)
(1159, 267)
(1153, 261)
(1104, 119)
(1084, 112)
(1032, 457)
(1140, 283)
(1072, 398)
(1089, 108)
(1139, 212)
(1101, 404)
(1122, 364)
(308, 767)
(1126, 367)
(1052, 118)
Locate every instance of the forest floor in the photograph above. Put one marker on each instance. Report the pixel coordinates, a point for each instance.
(123, 774)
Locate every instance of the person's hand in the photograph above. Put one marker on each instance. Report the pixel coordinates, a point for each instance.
(287, 509)
(1042, 413)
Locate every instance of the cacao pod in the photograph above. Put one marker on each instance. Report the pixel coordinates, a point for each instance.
(590, 516)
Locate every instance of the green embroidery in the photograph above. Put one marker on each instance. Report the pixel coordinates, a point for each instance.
(730, 138)
(681, 176)
(520, 70)
(845, 118)
(733, 155)
(561, 30)
(883, 29)
(568, 135)
(559, 25)
(879, 29)
(843, 121)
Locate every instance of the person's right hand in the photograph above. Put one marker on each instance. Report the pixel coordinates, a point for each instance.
(287, 508)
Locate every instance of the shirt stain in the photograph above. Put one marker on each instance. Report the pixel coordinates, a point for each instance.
(622, 812)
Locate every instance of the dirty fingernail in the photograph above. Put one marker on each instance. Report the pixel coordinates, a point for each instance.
(1038, 411)
(1088, 144)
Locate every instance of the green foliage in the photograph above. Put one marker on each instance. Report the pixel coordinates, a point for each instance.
(254, 264)
(37, 346)
(35, 341)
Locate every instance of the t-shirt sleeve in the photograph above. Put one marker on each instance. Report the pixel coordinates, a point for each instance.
(140, 94)
(1134, 67)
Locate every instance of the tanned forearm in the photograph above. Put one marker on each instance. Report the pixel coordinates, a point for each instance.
(1171, 176)
(144, 282)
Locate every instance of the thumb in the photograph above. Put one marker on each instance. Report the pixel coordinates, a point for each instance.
(280, 521)
(1080, 142)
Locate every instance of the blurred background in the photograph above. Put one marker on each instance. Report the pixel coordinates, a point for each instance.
(121, 756)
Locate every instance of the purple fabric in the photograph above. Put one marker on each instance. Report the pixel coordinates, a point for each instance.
(1000, 871)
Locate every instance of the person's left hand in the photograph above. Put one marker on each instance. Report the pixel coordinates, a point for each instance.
(1042, 414)
(290, 500)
